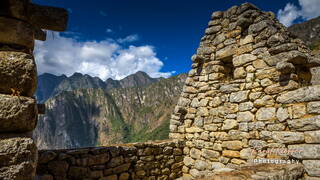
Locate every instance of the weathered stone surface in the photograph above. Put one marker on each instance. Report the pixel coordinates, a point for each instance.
(305, 124)
(313, 107)
(240, 96)
(18, 158)
(226, 52)
(298, 110)
(264, 114)
(195, 153)
(310, 93)
(232, 154)
(245, 116)
(232, 145)
(13, 8)
(239, 73)
(282, 114)
(248, 39)
(188, 161)
(17, 73)
(51, 18)
(305, 151)
(200, 165)
(17, 114)
(243, 59)
(312, 136)
(279, 87)
(248, 153)
(16, 32)
(246, 106)
(286, 137)
(209, 154)
(228, 88)
(312, 167)
(229, 124)
(285, 67)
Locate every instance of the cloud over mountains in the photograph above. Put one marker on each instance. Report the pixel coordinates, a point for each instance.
(105, 59)
(307, 9)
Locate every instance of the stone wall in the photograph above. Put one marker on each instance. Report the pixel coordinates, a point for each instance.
(154, 160)
(248, 97)
(19, 27)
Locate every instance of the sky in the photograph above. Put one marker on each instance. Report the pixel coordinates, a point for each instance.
(116, 38)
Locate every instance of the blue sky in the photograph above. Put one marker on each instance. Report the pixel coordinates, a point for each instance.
(114, 38)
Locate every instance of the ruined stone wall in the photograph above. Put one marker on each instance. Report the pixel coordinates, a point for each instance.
(248, 97)
(155, 160)
(19, 28)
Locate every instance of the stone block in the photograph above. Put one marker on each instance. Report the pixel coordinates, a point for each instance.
(231, 154)
(243, 59)
(312, 167)
(232, 145)
(13, 8)
(305, 94)
(16, 32)
(18, 73)
(287, 137)
(305, 124)
(305, 151)
(312, 136)
(314, 107)
(18, 156)
(226, 53)
(265, 114)
(239, 96)
(17, 114)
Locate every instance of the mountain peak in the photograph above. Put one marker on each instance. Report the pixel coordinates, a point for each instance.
(137, 79)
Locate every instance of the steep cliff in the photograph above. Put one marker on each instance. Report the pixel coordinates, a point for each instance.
(93, 116)
(308, 31)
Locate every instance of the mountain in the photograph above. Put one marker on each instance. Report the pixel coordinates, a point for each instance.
(79, 118)
(138, 79)
(51, 85)
(308, 31)
(79, 81)
(83, 116)
(46, 85)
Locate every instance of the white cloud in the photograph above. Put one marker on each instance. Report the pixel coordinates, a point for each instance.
(308, 9)
(128, 39)
(104, 59)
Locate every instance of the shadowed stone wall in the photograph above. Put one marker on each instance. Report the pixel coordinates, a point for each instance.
(154, 160)
(248, 97)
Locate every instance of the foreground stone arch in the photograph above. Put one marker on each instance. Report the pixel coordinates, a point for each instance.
(21, 22)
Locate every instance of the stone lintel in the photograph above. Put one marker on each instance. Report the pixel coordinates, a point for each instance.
(50, 18)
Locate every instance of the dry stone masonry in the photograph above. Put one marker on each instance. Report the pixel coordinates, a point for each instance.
(248, 98)
(247, 102)
(20, 24)
(155, 160)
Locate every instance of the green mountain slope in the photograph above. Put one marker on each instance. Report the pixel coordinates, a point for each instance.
(95, 116)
